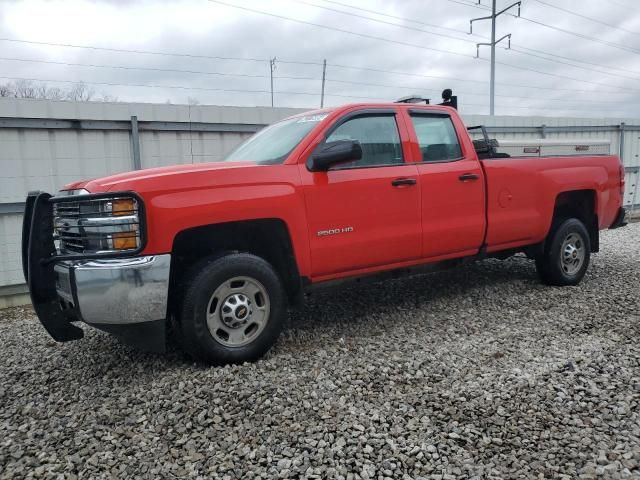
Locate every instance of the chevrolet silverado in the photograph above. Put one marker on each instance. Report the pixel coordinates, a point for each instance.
(215, 253)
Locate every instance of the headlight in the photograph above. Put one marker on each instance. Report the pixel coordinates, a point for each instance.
(101, 224)
(75, 191)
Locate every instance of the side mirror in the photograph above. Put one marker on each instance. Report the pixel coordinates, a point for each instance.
(332, 153)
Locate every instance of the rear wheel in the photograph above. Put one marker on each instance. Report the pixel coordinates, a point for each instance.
(233, 309)
(566, 255)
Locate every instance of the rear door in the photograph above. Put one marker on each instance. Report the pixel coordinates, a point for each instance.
(366, 213)
(451, 186)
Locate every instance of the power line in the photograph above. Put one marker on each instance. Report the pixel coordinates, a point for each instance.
(433, 33)
(311, 4)
(559, 29)
(580, 35)
(304, 2)
(152, 52)
(410, 74)
(583, 36)
(571, 12)
(404, 19)
(151, 69)
(190, 55)
(292, 62)
(180, 87)
(449, 36)
(518, 50)
(521, 51)
(229, 74)
(336, 29)
(565, 77)
(466, 33)
(517, 47)
(93, 47)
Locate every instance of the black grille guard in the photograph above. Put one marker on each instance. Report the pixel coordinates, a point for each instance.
(37, 247)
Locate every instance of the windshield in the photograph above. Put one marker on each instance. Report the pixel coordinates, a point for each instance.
(274, 143)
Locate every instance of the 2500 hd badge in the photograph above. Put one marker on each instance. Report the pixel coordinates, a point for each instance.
(334, 231)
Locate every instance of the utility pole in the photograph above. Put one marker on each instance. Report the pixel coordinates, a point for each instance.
(493, 44)
(272, 68)
(324, 75)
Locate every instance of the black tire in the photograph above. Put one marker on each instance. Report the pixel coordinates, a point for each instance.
(203, 282)
(550, 266)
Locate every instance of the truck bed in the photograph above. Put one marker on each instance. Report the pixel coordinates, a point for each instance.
(522, 191)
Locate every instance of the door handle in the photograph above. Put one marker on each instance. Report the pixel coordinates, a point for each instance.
(399, 182)
(468, 176)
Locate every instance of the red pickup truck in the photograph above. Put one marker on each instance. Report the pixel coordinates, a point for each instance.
(220, 250)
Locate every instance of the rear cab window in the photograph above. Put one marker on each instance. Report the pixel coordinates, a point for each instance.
(437, 137)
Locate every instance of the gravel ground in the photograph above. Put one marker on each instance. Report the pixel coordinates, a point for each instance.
(479, 372)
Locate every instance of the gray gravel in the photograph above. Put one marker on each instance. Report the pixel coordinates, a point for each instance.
(479, 372)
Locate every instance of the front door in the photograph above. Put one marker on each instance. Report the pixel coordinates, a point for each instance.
(365, 213)
(452, 189)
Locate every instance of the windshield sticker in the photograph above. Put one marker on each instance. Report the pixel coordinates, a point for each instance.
(312, 118)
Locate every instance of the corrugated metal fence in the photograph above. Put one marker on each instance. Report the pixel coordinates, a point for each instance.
(45, 144)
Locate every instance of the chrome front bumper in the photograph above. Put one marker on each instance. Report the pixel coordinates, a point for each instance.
(115, 291)
(125, 296)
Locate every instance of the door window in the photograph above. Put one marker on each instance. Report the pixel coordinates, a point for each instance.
(378, 136)
(437, 138)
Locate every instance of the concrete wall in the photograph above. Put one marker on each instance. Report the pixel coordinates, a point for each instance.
(46, 144)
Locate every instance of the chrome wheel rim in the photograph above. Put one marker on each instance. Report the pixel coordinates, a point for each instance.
(572, 254)
(238, 311)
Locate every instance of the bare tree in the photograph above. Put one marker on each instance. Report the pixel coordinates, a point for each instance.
(6, 90)
(25, 89)
(55, 93)
(193, 101)
(80, 92)
(42, 91)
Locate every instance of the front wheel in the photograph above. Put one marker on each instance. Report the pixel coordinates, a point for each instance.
(567, 254)
(233, 309)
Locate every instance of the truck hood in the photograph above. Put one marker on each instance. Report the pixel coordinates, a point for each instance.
(127, 180)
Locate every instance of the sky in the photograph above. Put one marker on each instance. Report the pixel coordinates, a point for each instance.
(576, 58)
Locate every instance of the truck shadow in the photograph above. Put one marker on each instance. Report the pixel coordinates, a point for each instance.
(455, 287)
(338, 311)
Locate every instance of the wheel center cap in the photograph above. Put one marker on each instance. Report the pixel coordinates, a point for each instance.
(241, 312)
(236, 311)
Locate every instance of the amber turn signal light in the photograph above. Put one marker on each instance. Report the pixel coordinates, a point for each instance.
(123, 206)
(124, 240)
